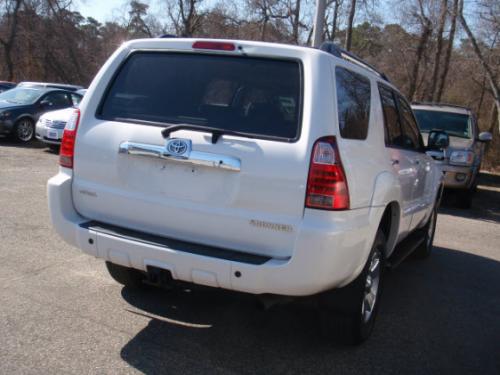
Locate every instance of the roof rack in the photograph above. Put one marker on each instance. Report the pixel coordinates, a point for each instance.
(51, 85)
(435, 104)
(341, 53)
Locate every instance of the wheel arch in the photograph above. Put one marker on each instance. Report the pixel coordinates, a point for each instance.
(390, 226)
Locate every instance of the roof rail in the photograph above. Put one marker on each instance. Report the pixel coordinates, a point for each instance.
(436, 104)
(341, 53)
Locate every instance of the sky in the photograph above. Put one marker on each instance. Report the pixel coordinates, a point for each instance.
(101, 10)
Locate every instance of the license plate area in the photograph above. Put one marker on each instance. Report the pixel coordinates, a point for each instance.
(52, 134)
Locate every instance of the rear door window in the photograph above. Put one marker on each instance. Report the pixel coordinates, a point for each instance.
(353, 103)
(409, 126)
(258, 96)
(393, 133)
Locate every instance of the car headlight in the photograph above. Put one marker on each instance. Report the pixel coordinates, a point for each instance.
(461, 158)
(4, 115)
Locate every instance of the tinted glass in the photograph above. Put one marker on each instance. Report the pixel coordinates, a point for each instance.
(252, 95)
(393, 136)
(353, 103)
(409, 126)
(57, 99)
(455, 124)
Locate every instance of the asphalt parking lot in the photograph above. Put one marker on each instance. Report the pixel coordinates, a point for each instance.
(61, 313)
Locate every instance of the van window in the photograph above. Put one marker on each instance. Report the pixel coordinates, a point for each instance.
(259, 96)
(353, 103)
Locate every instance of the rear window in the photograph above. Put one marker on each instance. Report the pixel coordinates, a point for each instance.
(353, 103)
(251, 95)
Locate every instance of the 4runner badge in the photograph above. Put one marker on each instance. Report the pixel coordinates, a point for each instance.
(271, 226)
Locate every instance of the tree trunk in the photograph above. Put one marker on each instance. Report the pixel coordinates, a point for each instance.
(432, 94)
(348, 37)
(335, 19)
(489, 73)
(424, 37)
(447, 56)
(8, 43)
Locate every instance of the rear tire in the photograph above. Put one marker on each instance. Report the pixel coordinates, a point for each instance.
(424, 250)
(129, 277)
(347, 315)
(54, 148)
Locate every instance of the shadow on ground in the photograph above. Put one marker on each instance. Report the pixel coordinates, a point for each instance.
(485, 203)
(437, 316)
(9, 142)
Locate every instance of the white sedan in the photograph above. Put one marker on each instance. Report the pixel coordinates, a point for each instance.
(50, 126)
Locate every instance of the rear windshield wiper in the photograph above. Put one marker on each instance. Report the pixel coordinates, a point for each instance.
(216, 132)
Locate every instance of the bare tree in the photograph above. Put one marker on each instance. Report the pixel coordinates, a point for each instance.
(331, 31)
(479, 54)
(350, 21)
(432, 92)
(11, 14)
(447, 55)
(426, 31)
(186, 16)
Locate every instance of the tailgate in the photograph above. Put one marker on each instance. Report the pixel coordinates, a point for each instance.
(241, 192)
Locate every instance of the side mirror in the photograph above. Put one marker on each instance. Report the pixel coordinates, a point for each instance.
(45, 104)
(438, 140)
(485, 137)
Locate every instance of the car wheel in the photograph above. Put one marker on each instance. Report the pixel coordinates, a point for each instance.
(347, 315)
(428, 231)
(24, 130)
(129, 277)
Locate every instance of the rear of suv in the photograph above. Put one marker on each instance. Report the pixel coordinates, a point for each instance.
(254, 167)
(461, 161)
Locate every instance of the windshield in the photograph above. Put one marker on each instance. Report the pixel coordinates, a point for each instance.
(454, 124)
(21, 95)
(256, 96)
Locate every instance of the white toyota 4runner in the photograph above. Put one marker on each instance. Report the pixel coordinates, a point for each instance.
(256, 167)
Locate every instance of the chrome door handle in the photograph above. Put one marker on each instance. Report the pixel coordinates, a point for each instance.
(394, 161)
(206, 159)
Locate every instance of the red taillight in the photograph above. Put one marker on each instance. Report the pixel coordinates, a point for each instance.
(326, 183)
(220, 46)
(68, 140)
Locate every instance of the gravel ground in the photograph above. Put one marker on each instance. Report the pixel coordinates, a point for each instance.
(60, 312)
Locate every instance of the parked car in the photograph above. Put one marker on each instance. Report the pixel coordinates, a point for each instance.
(255, 167)
(50, 126)
(21, 107)
(4, 86)
(461, 161)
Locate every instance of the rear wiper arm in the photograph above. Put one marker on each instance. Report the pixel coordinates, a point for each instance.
(216, 132)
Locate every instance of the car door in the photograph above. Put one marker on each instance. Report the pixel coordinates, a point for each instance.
(417, 158)
(400, 158)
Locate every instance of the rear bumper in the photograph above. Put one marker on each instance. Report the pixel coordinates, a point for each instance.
(329, 252)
